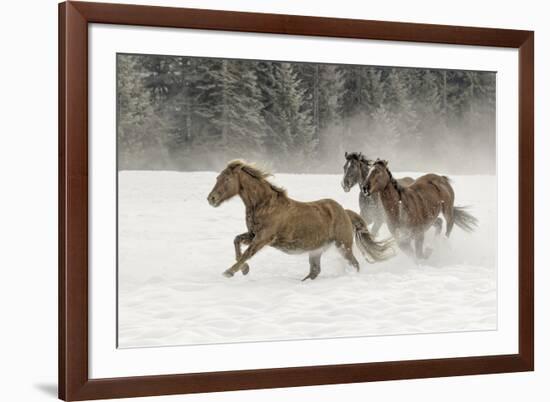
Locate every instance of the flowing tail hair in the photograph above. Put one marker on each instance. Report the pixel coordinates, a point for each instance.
(371, 249)
(464, 220)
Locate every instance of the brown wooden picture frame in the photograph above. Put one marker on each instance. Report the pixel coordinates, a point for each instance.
(74, 381)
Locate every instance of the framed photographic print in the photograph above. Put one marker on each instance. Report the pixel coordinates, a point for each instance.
(258, 200)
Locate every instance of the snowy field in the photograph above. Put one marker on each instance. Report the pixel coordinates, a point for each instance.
(173, 248)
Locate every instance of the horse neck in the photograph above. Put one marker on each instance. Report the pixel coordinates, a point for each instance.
(255, 192)
(364, 169)
(391, 197)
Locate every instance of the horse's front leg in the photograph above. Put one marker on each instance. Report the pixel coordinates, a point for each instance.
(364, 209)
(438, 225)
(376, 226)
(257, 243)
(245, 238)
(405, 246)
(419, 247)
(314, 266)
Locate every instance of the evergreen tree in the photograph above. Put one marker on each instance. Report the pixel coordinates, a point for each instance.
(179, 109)
(293, 123)
(351, 99)
(208, 102)
(429, 105)
(140, 131)
(174, 111)
(230, 100)
(373, 90)
(400, 103)
(330, 86)
(161, 78)
(243, 120)
(267, 84)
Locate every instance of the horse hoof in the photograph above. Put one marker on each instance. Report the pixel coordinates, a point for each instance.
(312, 277)
(245, 269)
(228, 274)
(427, 253)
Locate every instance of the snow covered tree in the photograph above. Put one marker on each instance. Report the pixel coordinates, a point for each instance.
(330, 120)
(293, 123)
(177, 112)
(267, 84)
(230, 101)
(140, 130)
(160, 79)
(350, 99)
(400, 103)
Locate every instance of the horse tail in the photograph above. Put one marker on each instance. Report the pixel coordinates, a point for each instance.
(371, 249)
(464, 220)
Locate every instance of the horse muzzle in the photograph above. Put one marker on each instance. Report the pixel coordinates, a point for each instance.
(365, 190)
(213, 200)
(345, 187)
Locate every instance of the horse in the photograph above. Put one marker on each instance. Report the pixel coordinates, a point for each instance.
(371, 209)
(274, 219)
(411, 210)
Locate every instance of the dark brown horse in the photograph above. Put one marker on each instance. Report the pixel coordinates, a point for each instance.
(412, 210)
(356, 169)
(273, 219)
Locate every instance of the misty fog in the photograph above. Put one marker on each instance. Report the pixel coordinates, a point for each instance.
(187, 114)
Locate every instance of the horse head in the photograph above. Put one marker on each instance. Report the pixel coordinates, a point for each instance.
(377, 179)
(354, 169)
(226, 187)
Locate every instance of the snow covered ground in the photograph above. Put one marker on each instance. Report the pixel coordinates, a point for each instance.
(173, 248)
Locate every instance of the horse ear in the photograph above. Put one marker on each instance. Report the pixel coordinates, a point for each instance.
(346, 154)
(233, 165)
(385, 162)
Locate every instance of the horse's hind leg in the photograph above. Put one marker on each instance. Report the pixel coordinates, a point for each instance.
(245, 238)
(347, 253)
(314, 266)
(405, 246)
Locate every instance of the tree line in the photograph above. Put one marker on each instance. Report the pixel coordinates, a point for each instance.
(189, 113)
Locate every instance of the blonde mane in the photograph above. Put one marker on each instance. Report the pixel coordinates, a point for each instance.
(256, 172)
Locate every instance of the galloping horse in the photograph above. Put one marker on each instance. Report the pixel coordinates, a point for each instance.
(274, 219)
(356, 169)
(412, 210)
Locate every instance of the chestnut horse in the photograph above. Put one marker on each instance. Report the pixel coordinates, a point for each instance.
(356, 169)
(412, 210)
(274, 219)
